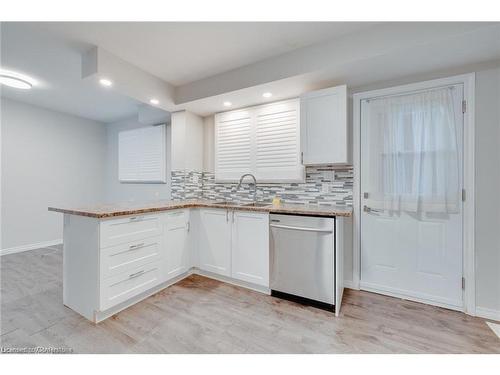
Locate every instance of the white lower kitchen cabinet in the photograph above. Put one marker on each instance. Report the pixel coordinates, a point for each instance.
(110, 264)
(176, 243)
(214, 241)
(250, 247)
(113, 263)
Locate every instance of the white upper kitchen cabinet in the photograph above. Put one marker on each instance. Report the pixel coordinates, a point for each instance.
(214, 240)
(186, 141)
(250, 247)
(262, 140)
(177, 250)
(324, 133)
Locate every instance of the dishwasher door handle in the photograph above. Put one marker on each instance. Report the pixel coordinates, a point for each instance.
(305, 229)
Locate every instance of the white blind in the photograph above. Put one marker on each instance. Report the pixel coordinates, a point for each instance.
(142, 155)
(277, 136)
(234, 144)
(263, 140)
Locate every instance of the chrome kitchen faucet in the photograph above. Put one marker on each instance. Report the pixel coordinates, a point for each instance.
(254, 184)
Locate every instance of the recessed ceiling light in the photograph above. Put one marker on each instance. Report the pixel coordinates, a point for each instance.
(227, 104)
(267, 95)
(154, 101)
(16, 80)
(105, 82)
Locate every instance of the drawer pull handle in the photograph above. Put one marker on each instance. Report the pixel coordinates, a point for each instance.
(136, 218)
(137, 274)
(133, 247)
(133, 276)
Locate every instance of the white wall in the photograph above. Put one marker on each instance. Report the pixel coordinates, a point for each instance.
(121, 192)
(487, 235)
(48, 159)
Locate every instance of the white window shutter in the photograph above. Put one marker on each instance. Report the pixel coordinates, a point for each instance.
(142, 155)
(233, 143)
(262, 140)
(277, 140)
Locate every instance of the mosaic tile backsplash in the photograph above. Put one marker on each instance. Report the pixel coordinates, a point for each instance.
(323, 185)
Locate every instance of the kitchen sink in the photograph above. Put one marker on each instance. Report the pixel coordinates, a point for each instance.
(256, 204)
(225, 203)
(251, 204)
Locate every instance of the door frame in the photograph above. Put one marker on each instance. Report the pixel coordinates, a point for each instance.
(468, 81)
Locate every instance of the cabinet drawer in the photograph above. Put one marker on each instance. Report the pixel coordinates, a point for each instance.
(115, 232)
(177, 219)
(120, 288)
(124, 257)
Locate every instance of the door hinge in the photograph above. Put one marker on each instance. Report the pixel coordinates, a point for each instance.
(188, 226)
(301, 158)
(463, 195)
(463, 283)
(464, 106)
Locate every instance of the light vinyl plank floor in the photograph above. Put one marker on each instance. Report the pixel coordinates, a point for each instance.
(200, 315)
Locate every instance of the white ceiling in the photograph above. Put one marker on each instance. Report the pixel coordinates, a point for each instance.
(213, 62)
(385, 55)
(56, 64)
(184, 52)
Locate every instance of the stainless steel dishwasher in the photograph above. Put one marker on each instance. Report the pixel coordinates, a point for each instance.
(302, 259)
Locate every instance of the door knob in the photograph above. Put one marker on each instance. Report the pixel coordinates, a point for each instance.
(369, 209)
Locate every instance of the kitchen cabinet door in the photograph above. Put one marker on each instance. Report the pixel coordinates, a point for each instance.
(214, 244)
(250, 247)
(324, 136)
(177, 252)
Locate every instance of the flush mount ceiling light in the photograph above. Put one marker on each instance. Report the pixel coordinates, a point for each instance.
(105, 82)
(267, 95)
(227, 104)
(16, 80)
(154, 101)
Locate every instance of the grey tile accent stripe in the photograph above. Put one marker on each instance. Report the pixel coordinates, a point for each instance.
(202, 185)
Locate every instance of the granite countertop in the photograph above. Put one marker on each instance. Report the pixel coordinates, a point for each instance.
(114, 210)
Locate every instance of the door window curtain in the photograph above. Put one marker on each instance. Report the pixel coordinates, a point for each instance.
(414, 160)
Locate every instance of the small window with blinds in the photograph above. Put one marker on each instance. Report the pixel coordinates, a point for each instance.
(262, 140)
(142, 155)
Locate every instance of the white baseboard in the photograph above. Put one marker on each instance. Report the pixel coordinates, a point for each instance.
(33, 246)
(486, 313)
(410, 296)
(349, 285)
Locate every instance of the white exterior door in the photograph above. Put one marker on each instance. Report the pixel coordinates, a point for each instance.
(250, 247)
(412, 250)
(215, 241)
